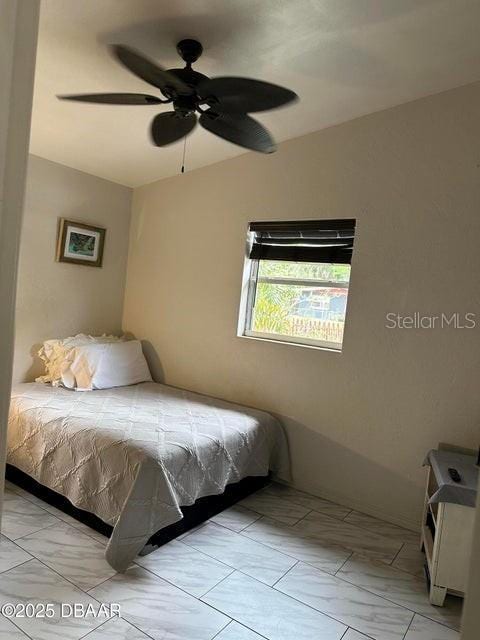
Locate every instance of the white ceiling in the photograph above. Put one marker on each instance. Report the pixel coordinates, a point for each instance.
(344, 58)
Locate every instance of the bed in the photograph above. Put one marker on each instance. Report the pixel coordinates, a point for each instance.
(137, 457)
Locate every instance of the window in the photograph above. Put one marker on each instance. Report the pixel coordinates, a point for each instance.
(296, 281)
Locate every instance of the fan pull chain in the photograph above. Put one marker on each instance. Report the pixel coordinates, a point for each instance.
(184, 149)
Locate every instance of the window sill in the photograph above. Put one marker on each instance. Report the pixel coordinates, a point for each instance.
(291, 344)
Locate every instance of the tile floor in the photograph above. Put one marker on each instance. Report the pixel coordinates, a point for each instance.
(280, 565)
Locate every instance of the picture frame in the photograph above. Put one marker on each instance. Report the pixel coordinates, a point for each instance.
(80, 243)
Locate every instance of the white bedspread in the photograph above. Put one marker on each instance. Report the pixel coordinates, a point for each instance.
(134, 455)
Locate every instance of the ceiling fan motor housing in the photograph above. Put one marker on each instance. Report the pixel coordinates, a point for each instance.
(189, 50)
(191, 78)
(184, 105)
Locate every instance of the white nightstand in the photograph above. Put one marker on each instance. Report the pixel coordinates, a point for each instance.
(447, 525)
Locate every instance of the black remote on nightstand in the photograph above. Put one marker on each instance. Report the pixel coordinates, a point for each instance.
(454, 475)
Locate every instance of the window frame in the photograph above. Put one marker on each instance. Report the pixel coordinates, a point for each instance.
(247, 305)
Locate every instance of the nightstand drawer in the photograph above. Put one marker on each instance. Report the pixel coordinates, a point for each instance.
(455, 546)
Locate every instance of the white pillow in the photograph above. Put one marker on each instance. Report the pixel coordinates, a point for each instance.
(54, 352)
(103, 366)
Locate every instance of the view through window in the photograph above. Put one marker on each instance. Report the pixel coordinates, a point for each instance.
(303, 302)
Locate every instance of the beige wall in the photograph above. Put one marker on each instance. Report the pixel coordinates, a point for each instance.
(58, 299)
(359, 422)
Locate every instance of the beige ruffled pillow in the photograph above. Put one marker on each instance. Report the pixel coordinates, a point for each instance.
(55, 354)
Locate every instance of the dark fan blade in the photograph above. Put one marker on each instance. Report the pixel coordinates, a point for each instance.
(147, 70)
(114, 98)
(239, 129)
(244, 94)
(169, 127)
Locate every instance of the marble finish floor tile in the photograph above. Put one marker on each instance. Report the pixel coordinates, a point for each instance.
(385, 529)
(11, 555)
(236, 518)
(346, 535)
(11, 488)
(239, 552)
(305, 500)
(8, 631)
(91, 533)
(72, 554)
(73, 522)
(269, 612)
(354, 607)
(185, 567)
(354, 635)
(300, 546)
(411, 560)
(378, 590)
(192, 530)
(401, 588)
(423, 629)
(116, 629)
(58, 513)
(9, 485)
(236, 631)
(275, 507)
(20, 517)
(34, 582)
(158, 608)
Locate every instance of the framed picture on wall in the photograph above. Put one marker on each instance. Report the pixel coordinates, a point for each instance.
(80, 243)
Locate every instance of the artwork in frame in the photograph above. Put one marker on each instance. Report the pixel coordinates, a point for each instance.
(80, 243)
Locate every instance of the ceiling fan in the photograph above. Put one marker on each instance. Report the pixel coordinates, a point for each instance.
(223, 103)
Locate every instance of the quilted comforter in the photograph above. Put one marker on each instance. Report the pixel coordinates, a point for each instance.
(134, 455)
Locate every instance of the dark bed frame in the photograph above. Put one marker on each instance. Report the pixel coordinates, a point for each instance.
(203, 509)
